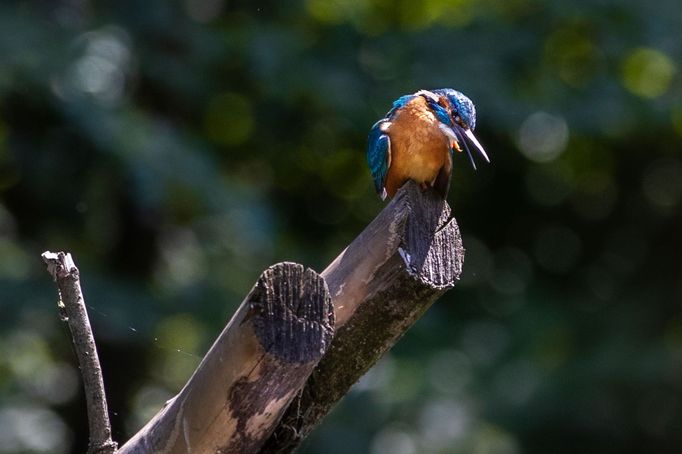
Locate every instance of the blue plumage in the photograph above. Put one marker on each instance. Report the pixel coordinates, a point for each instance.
(456, 120)
(461, 104)
(378, 156)
(400, 102)
(441, 112)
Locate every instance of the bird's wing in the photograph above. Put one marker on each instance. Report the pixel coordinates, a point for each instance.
(379, 155)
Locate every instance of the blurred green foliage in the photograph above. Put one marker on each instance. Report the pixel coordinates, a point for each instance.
(178, 148)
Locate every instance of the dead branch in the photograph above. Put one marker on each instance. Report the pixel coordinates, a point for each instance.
(72, 310)
(253, 370)
(274, 372)
(380, 285)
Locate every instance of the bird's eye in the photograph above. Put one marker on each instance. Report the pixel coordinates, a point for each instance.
(458, 119)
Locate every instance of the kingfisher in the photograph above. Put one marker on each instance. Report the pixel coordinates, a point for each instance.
(417, 139)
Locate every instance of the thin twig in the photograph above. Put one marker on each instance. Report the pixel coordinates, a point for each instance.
(72, 310)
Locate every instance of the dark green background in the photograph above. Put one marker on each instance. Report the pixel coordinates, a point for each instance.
(177, 148)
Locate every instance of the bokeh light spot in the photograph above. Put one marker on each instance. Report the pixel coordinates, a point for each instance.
(443, 422)
(57, 383)
(203, 10)
(450, 371)
(673, 337)
(676, 118)
(179, 337)
(101, 70)
(491, 439)
(182, 259)
(32, 429)
(517, 381)
(405, 381)
(378, 377)
(572, 53)
(146, 403)
(392, 440)
(30, 355)
(543, 137)
(182, 330)
(229, 119)
(15, 263)
(336, 11)
(423, 14)
(484, 341)
(662, 183)
(647, 72)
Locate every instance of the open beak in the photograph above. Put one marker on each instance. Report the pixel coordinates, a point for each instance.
(458, 136)
(470, 135)
(463, 134)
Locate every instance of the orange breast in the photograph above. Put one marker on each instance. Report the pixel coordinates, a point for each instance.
(418, 147)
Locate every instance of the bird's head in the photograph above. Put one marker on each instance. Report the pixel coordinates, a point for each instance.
(457, 115)
(462, 111)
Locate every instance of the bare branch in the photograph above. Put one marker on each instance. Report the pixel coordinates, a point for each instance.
(275, 372)
(72, 310)
(380, 285)
(253, 370)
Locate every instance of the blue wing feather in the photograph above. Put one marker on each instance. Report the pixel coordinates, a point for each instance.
(379, 156)
(397, 105)
(441, 113)
(400, 102)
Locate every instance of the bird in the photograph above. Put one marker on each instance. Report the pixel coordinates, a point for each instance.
(417, 139)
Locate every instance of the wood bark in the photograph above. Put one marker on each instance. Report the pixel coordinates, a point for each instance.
(278, 368)
(253, 370)
(380, 285)
(72, 310)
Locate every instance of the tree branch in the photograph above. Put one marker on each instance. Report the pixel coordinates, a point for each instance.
(253, 370)
(275, 372)
(380, 285)
(72, 310)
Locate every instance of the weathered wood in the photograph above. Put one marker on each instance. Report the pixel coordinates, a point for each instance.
(251, 373)
(72, 310)
(380, 285)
